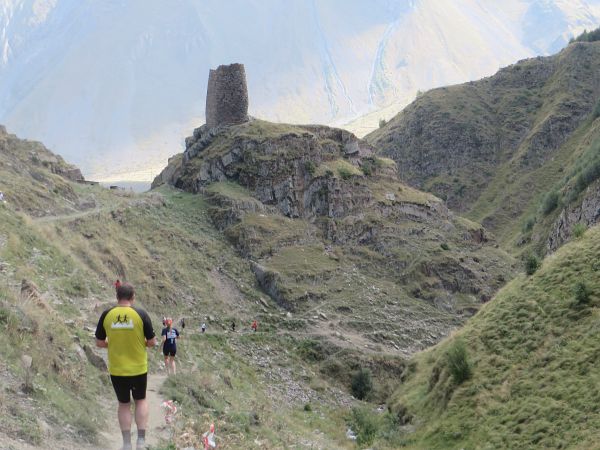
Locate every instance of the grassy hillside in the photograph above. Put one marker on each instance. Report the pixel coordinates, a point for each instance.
(335, 239)
(534, 356)
(493, 149)
(268, 390)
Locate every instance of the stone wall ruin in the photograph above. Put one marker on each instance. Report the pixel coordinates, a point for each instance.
(226, 96)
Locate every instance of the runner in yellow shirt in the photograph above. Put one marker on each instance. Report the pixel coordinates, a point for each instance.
(126, 331)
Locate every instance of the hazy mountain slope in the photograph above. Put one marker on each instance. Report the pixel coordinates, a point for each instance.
(126, 78)
(494, 147)
(534, 356)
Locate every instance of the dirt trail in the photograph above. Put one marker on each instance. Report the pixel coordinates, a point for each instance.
(111, 439)
(71, 216)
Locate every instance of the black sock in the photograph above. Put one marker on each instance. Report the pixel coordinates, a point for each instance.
(142, 435)
(126, 437)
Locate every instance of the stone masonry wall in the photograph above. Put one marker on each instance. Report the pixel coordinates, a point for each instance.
(227, 96)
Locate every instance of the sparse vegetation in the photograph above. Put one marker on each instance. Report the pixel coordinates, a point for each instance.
(310, 167)
(588, 36)
(550, 202)
(579, 229)
(382, 123)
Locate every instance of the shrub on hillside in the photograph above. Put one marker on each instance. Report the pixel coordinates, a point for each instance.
(310, 167)
(532, 263)
(528, 225)
(370, 165)
(582, 293)
(344, 173)
(550, 202)
(596, 111)
(457, 361)
(588, 36)
(382, 123)
(365, 425)
(587, 176)
(362, 383)
(579, 230)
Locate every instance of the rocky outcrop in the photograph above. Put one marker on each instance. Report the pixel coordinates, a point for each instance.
(226, 96)
(586, 213)
(287, 170)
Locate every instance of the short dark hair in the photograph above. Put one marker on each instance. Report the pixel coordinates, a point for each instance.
(125, 292)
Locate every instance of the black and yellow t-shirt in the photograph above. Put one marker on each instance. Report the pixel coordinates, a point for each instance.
(127, 329)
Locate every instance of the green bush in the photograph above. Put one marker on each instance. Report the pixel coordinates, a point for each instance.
(579, 229)
(457, 362)
(344, 173)
(582, 293)
(362, 383)
(587, 176)
(588, 36)
(444, 246)
(596, 111)
(532, 263)
(550, 202)
(370, 165)
(382, 123)
(311, 350)
(528, 225)
(307, 407)
(310, 167)
(365, 424)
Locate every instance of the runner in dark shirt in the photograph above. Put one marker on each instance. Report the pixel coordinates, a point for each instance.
(169, 344)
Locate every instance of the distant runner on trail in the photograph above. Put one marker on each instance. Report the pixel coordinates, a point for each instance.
(254, 326)
(233, 325)
(117, 284)
(169, 344)
(1, 197)
(182, 323)
(203, 327)
(126, 331)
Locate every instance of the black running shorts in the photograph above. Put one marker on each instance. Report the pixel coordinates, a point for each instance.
(135, 385)
(169, 351)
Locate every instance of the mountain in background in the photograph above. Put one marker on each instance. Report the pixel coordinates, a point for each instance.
(518, 152)
(113, 85)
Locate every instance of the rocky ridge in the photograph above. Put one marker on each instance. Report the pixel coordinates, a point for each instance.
(326, 226)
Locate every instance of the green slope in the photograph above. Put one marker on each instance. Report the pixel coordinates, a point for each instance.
(495, 147)
(535, 357)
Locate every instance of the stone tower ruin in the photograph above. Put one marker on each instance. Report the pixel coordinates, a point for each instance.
(227, 96)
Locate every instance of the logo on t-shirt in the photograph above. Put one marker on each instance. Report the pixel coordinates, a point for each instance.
(122, 323)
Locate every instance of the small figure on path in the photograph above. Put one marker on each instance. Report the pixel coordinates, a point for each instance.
(182, 323)
(2, 197)
(126, 331)
(117, 284)
(203, 327)
(233, 326)
(169, 343)
(254, 326)
(208, 438)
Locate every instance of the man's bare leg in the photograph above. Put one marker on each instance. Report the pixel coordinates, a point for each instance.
(173, 365)
(141, 420)
(124, 415)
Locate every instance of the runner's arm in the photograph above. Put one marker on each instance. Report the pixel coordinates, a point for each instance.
(101, 332)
